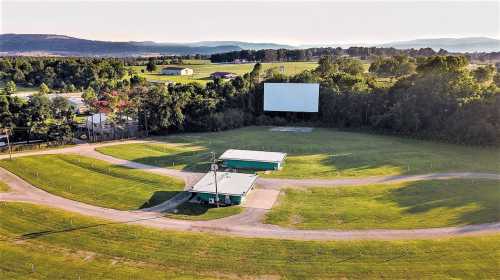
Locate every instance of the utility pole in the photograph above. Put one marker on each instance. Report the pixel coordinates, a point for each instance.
(7, 132)
(214, 168)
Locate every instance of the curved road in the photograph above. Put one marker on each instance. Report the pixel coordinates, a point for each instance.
(248, 223)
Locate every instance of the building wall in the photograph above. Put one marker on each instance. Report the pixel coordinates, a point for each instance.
(254, 165)
(205, 197)
(170, 72)
(187, 71)
(177, 72)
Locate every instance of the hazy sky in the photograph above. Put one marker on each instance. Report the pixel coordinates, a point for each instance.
(295, 22)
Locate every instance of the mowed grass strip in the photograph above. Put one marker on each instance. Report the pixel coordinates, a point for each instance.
(423, 204)
(94, 182)
(3, 187)
(237, 258)
(323, 153)
(201, 212)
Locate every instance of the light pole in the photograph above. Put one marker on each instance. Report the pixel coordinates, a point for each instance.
(214, 168)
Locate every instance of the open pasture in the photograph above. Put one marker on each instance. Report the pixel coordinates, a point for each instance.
(94, 182)
(412, 205)
(99, 249)
(202, 71)
(323, 153)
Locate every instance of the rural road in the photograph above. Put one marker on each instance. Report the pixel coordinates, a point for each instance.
(246, 224)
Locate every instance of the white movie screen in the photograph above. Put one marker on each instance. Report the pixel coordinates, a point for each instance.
(291, 97)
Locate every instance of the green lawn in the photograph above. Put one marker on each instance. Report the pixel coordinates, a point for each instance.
(199, 212)
(423, 204)
(324, 153)
(202, 71)
(3, 187)
(94, 182)
(39, 260)
(137, 249)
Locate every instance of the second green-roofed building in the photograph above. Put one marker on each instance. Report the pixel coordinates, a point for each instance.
(253, 160)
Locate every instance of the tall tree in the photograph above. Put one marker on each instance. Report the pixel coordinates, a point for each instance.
(10, 87)
(43, 89)
(151, 66)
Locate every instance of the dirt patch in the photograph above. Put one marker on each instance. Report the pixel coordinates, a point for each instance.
(261, 199)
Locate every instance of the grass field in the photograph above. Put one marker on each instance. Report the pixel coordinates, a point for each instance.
(94, 182)
(324, 153)
(199, 212)
(202, 71)
(424, 204)
(3, 187)
(84, 246)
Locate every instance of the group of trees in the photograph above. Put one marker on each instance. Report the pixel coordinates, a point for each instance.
(269, 55)
(66, 74)
(442, 100)
(435, 97)
(39, 117)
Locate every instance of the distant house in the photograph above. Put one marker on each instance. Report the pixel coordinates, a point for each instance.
(222, 75)
(78, 104)
(239, 61)
(176, 71)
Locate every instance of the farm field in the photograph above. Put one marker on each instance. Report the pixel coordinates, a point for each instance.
(94, 182)
(423, 204)
(109, 250)
(199, 212)
(202, 71)
(324, 153)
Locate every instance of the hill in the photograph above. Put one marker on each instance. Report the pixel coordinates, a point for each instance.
(49, 44)
(459, 45)
(243, 45)
(469, 44)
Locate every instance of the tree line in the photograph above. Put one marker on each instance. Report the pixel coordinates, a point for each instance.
(309, 54)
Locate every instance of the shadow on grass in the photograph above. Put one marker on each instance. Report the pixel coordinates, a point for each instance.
(195, 161)
(159, 197)
(420, 197)
(192, 209)
(38, 234)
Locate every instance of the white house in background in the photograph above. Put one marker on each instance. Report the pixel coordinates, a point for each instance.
(176, 71)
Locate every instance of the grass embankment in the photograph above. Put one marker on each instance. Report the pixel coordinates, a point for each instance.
(137, 249)
(3, 187)
(94, 182)
(424, 204)
(200, 212)
(202, 71)
(324, 153)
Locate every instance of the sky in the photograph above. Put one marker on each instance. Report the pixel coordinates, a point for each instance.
(291, 22)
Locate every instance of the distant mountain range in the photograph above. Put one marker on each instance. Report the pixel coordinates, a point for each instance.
(242, 45)
(50, 44)
(470, 44)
